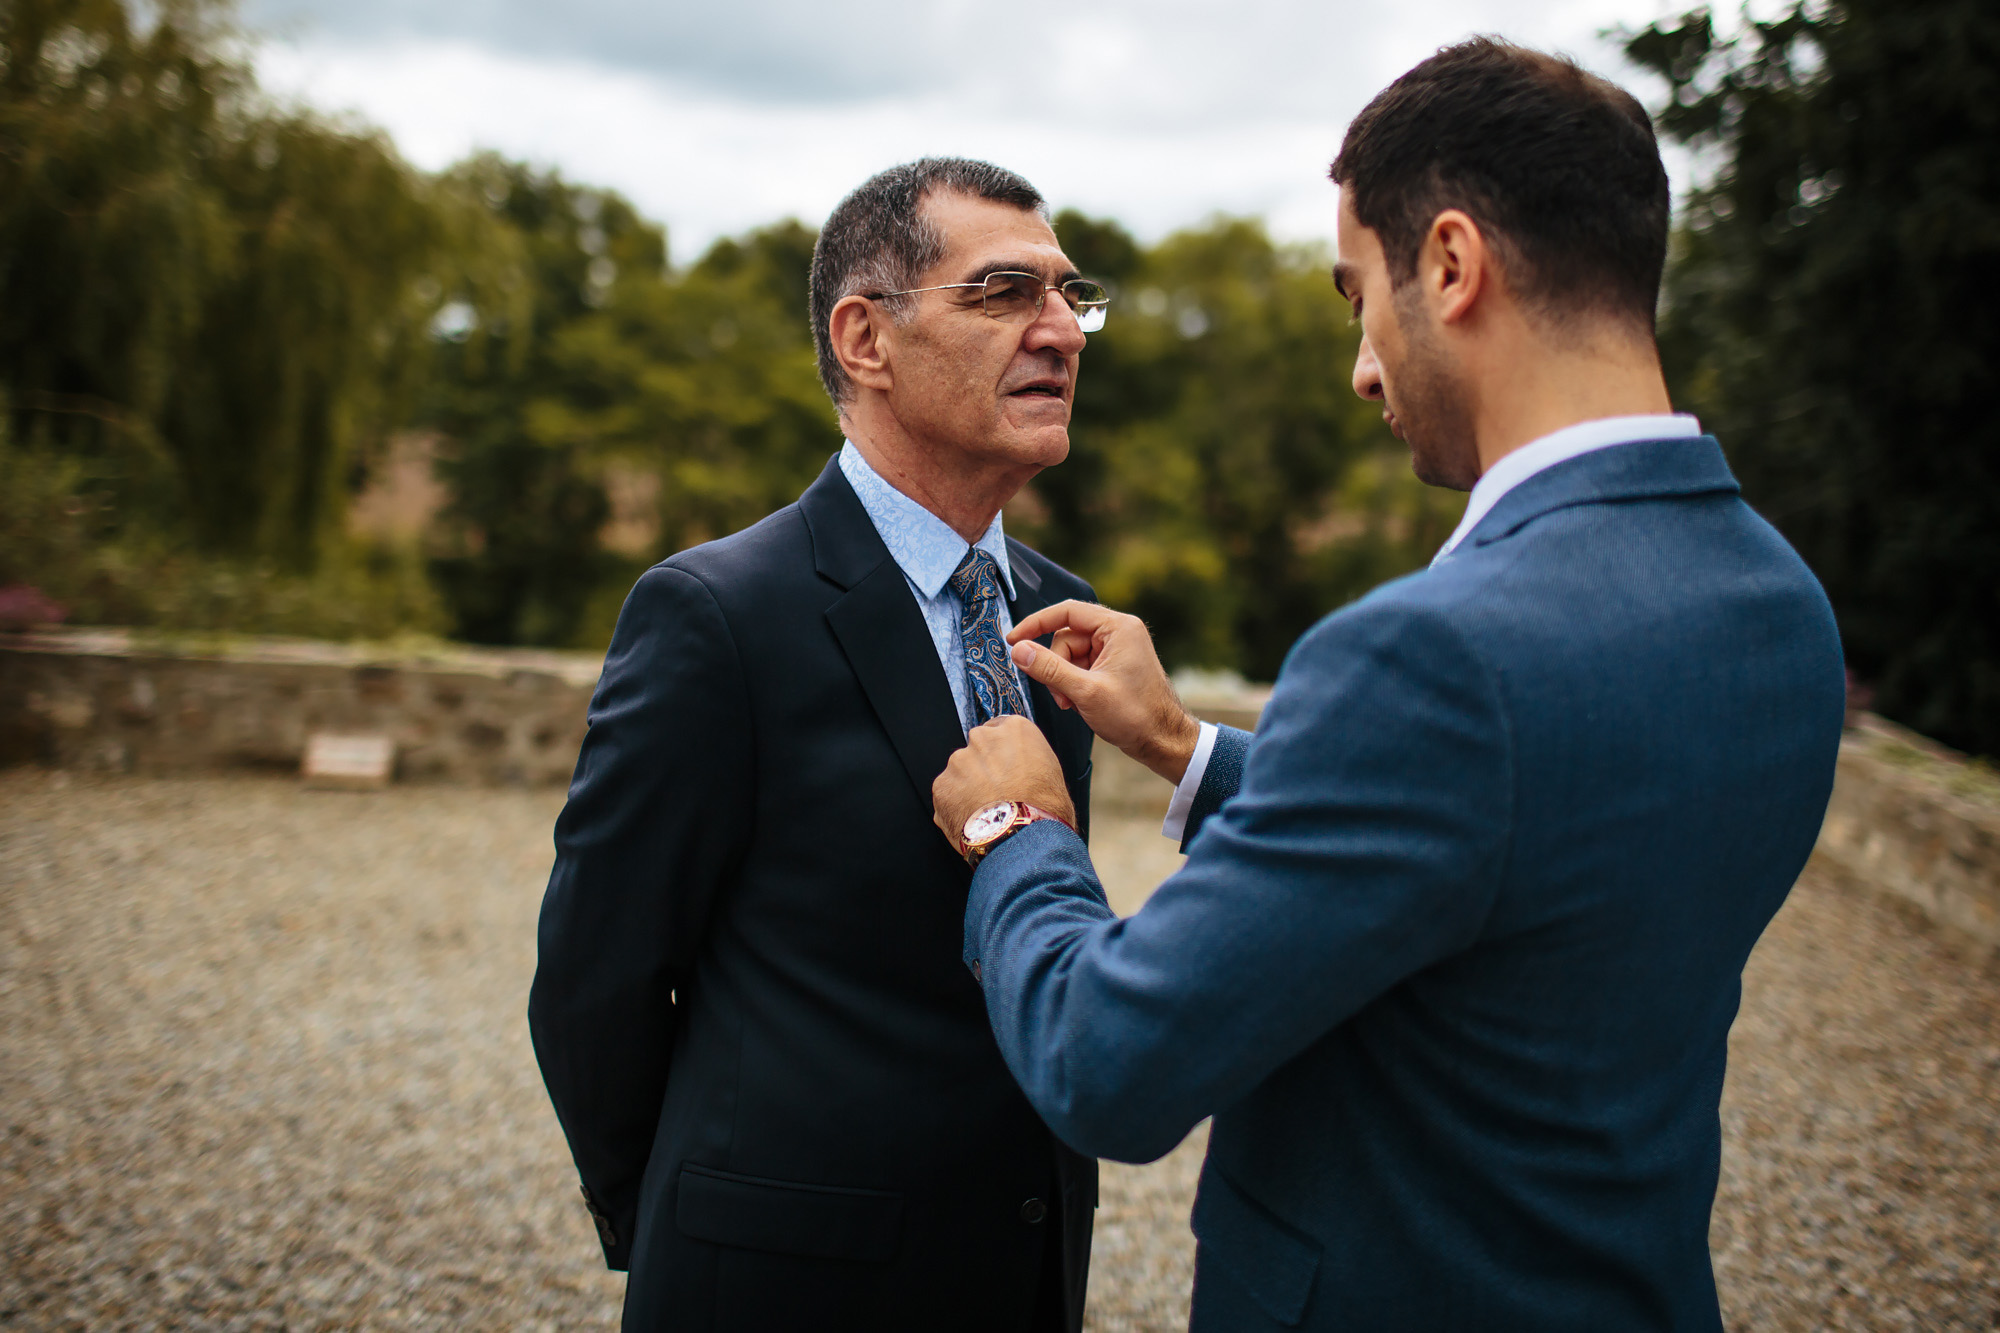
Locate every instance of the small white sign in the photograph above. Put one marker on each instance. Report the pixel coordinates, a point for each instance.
(352, 763)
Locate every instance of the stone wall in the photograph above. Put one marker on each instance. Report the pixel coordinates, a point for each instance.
(1907, 817)
(108, 700)
(114, 701)
(1914, 820)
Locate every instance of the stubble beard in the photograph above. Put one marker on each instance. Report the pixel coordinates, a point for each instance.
(1432, 406)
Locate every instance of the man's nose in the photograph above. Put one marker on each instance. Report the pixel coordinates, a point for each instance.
(1367, 373)
(1056, 328)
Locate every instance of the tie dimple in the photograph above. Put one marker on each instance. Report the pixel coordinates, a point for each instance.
(988, 669)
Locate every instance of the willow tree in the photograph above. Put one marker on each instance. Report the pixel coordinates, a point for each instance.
(215, 303)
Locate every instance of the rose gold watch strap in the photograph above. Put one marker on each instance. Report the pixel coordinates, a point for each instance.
(1034, 812)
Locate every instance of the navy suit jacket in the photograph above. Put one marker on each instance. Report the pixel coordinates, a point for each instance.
(1454, 970)
(778, 1083)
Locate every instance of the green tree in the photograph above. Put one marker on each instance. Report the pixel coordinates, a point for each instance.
(517, 554)
(312, 345)
(1829, 314)
(109, 240)
(213, 307)
(702, 380)
(726, 403)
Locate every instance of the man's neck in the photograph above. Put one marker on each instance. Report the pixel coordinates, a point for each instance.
(1542, 392)
(967, 496)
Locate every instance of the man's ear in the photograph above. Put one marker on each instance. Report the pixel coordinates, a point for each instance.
(859, 334)
(1455, 265)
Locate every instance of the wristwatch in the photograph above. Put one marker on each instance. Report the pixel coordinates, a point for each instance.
(985, 829)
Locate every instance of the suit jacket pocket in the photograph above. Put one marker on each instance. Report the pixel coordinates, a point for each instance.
(1273, 1260)
(784, 1217)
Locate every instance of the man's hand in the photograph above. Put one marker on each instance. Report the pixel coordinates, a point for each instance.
(1006, 759)
(1103, 665)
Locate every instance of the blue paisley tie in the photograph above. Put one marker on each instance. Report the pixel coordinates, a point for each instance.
(988, 669)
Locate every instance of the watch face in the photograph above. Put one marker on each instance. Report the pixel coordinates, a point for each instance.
(989, 823)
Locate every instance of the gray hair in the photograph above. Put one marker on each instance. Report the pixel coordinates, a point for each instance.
(880, 240)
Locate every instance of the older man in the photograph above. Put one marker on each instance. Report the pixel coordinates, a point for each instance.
(777, 1082)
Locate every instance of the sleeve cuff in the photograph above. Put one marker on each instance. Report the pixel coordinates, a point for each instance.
(1183, 803)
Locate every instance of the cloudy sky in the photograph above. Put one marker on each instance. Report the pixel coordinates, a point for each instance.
(718, 115)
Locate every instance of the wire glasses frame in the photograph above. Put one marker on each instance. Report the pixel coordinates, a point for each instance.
(1017, 298)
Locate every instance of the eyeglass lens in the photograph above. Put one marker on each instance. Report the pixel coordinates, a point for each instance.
(1018, 297)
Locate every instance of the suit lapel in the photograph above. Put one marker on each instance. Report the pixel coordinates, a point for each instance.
(890, 649)
(882, 632)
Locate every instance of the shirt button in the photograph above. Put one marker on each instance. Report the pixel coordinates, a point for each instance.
(1033, 1211)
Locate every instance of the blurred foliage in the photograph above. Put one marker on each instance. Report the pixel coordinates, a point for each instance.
(1830, 315)
(212, 304)
(59, 533)
(704, 378)
(517, 554)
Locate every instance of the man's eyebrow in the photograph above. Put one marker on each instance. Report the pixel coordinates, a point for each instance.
(987, 270)
(1343, 274)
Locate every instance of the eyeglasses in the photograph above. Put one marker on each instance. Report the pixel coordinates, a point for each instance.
(1017, 297)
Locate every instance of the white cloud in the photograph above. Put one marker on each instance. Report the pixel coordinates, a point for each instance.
(1157, 113)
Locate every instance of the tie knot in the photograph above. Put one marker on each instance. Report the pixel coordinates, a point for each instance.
(977, 577)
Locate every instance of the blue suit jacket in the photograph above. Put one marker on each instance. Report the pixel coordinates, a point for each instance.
(1454, 970)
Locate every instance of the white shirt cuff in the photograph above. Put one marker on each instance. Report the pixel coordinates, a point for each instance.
(1177, 810)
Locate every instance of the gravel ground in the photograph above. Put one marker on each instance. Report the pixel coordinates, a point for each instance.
(263, 1065)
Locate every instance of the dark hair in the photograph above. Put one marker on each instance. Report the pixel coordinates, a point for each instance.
(879, 240)
(1559, 168)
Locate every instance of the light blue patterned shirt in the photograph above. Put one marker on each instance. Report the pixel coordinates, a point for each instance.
(927, 551)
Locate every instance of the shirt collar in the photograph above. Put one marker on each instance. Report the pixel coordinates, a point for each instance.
(923, 545)
(1559, 447)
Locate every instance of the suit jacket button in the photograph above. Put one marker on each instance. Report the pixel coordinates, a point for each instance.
(1033, 1211)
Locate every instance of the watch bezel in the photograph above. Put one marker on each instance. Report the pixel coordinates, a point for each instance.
(994, 820)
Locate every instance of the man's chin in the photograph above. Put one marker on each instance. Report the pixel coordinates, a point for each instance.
(1448, 473)
(1044, 450)
(1044, 443)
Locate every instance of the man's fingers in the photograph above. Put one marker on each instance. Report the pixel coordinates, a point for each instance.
(1006, 727)
(1049, 668)
(1076, 648)
(1083, 616)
